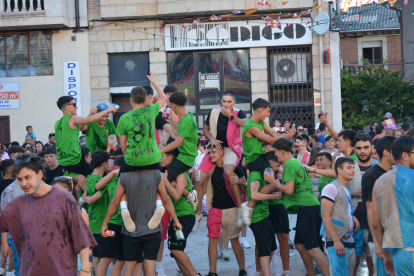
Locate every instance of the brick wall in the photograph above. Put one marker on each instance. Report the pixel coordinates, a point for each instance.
(349, 50)
(94, 9)
(394, 47)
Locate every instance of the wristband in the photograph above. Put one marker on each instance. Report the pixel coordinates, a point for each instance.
(81, 201)
(86, 271)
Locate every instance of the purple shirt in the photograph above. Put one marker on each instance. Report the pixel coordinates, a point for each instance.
(48, 232)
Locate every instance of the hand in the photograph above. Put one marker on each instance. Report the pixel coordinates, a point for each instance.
(356, 224)
(234, 180)
(269, 177)
(358, 192)
(104, 228)
(378, 251)
(165, 175)
(323, 119)
(112, 109)
(5, 250)
(388, 264)
(155, 99)
(151, 78)
(216, 143)
(115, 172)
(93, 111)
(177, 224)
(226, 112)
(111, 142)
(83, 187)
(278, 195)
(293, 130)
(310, 169)
(339, 248)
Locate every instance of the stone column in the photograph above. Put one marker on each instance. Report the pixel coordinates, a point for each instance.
(8, 8)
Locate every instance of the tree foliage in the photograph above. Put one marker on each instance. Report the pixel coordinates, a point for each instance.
(373, 91)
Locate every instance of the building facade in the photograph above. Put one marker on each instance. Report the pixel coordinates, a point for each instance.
(228, 51)
(41, 44)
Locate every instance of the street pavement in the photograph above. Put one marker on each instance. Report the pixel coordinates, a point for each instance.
(197, 246)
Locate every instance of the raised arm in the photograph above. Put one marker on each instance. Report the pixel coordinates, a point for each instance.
(324, 120)
(78, 120)
(162, 98)
(327, 173)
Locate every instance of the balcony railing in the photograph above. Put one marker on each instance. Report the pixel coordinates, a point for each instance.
(389, 64)
(16, 6)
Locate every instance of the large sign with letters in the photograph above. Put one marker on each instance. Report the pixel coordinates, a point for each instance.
(9, 95)
(71, 82)
(237, 34)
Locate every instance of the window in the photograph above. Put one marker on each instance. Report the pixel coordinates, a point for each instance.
(372, 51)
(128, 69)
(26, 54)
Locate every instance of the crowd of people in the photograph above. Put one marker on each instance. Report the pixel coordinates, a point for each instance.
(76, 204)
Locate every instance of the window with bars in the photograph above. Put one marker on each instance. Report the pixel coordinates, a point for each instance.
(26, 54)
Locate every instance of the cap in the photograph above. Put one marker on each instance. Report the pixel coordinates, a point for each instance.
(388, 115)
(391, 126)
(51, 134)
(405, 126)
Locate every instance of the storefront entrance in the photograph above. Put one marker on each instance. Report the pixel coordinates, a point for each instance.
(205, 76)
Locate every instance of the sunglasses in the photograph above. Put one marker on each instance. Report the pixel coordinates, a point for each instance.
(63, 179)
(74, 104)
(24, 160)
(51, 134)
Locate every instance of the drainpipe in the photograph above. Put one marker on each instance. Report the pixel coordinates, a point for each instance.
(321, 66)
(77, 16)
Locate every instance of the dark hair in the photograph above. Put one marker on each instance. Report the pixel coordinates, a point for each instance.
(84, 152)
(379, 129)
(229, 93)
(118, 152)
(64, 100)
(52, 134)
(283, 144)
(410, 132)
(149, 90)
(69, 183)
(265, 144)
(27, 128)
(322, 127)
(99, 157)
(340, 161)
(384, 143)
(363, 137)
(15, 149)
(290, 123)
(313, 154)
(174, 153)
(213, 146)
(178, 98)
(49, 150)
(348, 135)
(371, 126)
(278, 120)
(327, 155)
(138, 94)
(170, 89)
(260, 103)
(319, 116)
(313, 137)
(14, 143)
(302, 137)
(403, 144)
(34, 164)
(119, 160)
(271, 156)
(6, 164)
(329, 137)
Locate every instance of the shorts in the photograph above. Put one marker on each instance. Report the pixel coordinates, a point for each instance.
(118, 241)
(341, 265)
(361, 242)
(230, 157)
(175, 169)
(279, 219)
(264, 237)
(135, 247)
(127, 168)
(187, 222)
(403, 261)
(165, 221)
(83, 168)
(308, 226)
(379, 268)
(105, 247)
(260, 164)
(222, 219)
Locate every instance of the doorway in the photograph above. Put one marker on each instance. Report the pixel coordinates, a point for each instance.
(5, 129)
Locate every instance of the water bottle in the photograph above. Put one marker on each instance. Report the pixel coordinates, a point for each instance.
(111, 138)
(179, 236)
(104, 106)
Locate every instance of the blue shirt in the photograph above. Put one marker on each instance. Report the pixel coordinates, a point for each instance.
(33, 136)
(321, 140)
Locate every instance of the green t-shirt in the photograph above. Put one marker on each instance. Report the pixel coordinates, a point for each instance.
(112, 184)
(182, 206)
(322, 182)
(139, 125)
(187, 128)
(353, 157)
(252, 147)
(261, 209)
(96, 137)
(97, 211)
(67, 142)
(303, 193)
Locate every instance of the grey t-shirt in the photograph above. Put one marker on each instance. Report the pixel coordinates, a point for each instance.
(141, 190)
(11, 192)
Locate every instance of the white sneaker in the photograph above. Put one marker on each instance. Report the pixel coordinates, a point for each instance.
(194, 200)
(285, 273)
(239, 218)
(178, 270)
(10, 273)
(226, 255)
(156, 218)
(160, 271)
(257, 274)
(245, 244)
(247, 213)
(230, 247)
(3, 271)
(220, 254)
(129, 224)
(199, 220)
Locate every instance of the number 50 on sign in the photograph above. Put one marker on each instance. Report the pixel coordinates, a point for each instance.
(9, 95)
